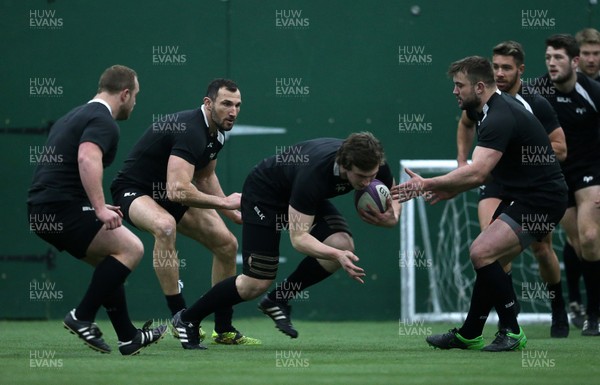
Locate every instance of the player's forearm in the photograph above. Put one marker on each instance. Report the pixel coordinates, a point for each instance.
(456, 181)
(188, 195)
(306, 244)
(209, 185)
(397, 206)
(560, 150)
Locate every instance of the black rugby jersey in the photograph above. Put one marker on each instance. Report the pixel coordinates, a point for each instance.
(578, 114)
(528, 169)
(534, 103)
(56, 177)
(302, 175)
(183, 134)
(539, 106)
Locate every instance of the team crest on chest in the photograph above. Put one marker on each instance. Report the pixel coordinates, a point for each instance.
(341, 187)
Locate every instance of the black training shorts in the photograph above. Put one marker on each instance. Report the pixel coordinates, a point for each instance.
(530, 223)
(580, 178)
(69, 226)
(124, 195)
(260, 239)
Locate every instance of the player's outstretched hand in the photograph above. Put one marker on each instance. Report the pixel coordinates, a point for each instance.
(410, 189)
(347, 259)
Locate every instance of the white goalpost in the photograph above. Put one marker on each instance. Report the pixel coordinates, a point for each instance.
(436, 275)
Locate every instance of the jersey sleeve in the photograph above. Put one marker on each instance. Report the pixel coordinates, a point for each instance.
(102, 131)
(493, 132)
(187, 146)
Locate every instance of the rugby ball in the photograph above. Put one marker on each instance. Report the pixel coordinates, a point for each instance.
(374, 195)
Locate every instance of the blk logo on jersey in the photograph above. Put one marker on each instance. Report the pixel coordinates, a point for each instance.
(588, 179)
(260, 214)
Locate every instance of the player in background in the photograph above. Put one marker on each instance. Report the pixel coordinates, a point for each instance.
(588, 40)
(291, 194)
(168, 185)
(576, 98)
(70, 193)
(508, 64)
(534, 199)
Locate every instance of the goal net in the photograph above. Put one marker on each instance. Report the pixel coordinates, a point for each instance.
(436, 273)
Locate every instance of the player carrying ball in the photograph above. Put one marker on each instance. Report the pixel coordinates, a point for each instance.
(282, 194)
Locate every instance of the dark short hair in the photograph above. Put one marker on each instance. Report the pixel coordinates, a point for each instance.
(213, 88)
(510, 48)
(565, 41)
(117, 78)
(477, 69)
(362, 150)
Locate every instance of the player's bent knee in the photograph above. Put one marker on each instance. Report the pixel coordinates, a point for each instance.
(222, 243)
(329, 266)
(479, 254)
(589, 244)
(133, 251)
(164, 228)
(229, 245)
(340, 241)
(540, 249)
(250, 288)
(137, 248)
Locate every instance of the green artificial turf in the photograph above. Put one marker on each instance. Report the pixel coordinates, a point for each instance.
(42, 352)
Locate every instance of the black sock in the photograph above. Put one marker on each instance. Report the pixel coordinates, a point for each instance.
(479, 310)
(309, 272)
(116, 308)
(499, 285)
(517, 307)
(108, 276)
(223, 320)
(175, 302)
(223, 294)
(591, 279)
(557, 302)
(572, 272)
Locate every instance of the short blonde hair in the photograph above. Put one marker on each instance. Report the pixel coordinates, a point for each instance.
(588, 36)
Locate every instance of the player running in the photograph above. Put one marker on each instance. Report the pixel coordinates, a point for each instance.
(169, 186)
(284, 194)
(576, 100)
(70, 193)
(534, 200)
(508, 63)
